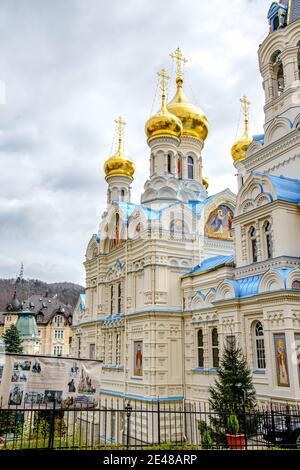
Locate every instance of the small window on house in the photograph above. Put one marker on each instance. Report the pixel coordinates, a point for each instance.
(268, 239)
(253, 244)
(190, 168)
(260, 346)
(169, 163)
(200, 346)
(215, 347)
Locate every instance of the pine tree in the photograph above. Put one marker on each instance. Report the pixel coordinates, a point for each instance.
(12, 340)
(233, 390)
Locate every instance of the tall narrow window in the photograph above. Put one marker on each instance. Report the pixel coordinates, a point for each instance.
(111, 300)
(278, 74)
(253, 244)
(169, 163)
(200, 346)
(122, 194)
(118, 349)
(215, 347)
(119, 297)
(268, 239)
(190, 168)
(260, 346)
(179, 168)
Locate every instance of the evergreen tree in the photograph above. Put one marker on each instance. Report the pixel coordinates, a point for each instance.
(233, 390)
(12, 340)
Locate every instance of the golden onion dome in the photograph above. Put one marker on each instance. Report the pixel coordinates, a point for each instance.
(163, 123)
(240, 147)
(118, 164)
(205, 182)
(195, 123)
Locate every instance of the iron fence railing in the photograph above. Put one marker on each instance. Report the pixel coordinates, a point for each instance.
(135, 425)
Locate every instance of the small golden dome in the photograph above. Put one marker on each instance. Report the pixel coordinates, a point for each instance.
(118, 164)
(195, 123)
(240, 147)
(205, 182)
(163, 123)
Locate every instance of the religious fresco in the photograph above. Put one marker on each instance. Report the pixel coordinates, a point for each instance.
(219, 224)
(297, 347)
(138, 358)
(281, 361)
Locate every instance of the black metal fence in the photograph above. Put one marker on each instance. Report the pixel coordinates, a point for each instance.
(135, 425)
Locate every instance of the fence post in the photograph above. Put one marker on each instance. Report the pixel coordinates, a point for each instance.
(128, 410)
(158, 420)
(52, 427)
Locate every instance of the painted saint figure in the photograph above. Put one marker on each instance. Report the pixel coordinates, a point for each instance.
(282, 369)
(138, 366)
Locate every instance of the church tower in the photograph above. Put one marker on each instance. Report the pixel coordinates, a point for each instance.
(119, 170)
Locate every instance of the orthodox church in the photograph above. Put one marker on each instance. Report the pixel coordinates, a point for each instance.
(170, 282)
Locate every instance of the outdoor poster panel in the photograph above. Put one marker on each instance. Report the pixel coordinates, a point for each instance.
(39, 380)
(281, 360)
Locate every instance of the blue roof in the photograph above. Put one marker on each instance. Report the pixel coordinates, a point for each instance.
(211, 263)
(246, 287)
(287, 189)
(259, 138)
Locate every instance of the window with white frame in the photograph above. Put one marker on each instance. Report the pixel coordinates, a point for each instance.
(200, 347)
(59, 334)
(215, 347)
(260, 346)
(268, 239)
(58, 350)
(253, 244)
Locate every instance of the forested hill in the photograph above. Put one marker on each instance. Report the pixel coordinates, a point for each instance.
(67, 292)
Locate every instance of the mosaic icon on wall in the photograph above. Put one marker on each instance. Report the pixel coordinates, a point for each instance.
(219, 224)
(281, 361)
(138, 358)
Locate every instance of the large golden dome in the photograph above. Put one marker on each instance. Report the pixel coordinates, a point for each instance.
(118, 164)
(240, 147)
(195, 123)
(163, 123)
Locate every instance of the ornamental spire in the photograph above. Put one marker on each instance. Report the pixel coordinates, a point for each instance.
(246, 106)
(164, 78)
(180, 61)
(120, 131)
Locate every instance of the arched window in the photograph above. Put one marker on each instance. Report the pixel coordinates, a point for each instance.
(215, 347)
(200, 347)
(122, 194)
(111, 299)
(253, 244)
(117, 239)
(260, 346)
(119, 297)
(190, 168)
(268, 239)
(179, 168)
(278, 74)
(169, 163)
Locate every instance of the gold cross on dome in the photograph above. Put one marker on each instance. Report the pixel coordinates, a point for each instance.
(164, 77)
(246, 105)
(180, 60)
(120, 129)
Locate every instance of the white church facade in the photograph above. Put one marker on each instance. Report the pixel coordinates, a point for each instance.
(172, 280)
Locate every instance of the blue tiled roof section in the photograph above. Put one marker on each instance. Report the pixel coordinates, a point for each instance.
(246, 287)
(287, 189)
(211, 263)
(128, 208)
(284, 272)
(259, 138)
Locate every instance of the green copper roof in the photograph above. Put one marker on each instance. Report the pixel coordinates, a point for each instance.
(26, 325)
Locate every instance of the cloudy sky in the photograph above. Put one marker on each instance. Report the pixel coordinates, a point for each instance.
(70, 67)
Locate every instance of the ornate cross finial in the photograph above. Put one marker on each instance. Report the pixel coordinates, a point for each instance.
(164, 77)
(120, 130)
(180, 60)
(246, 105)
